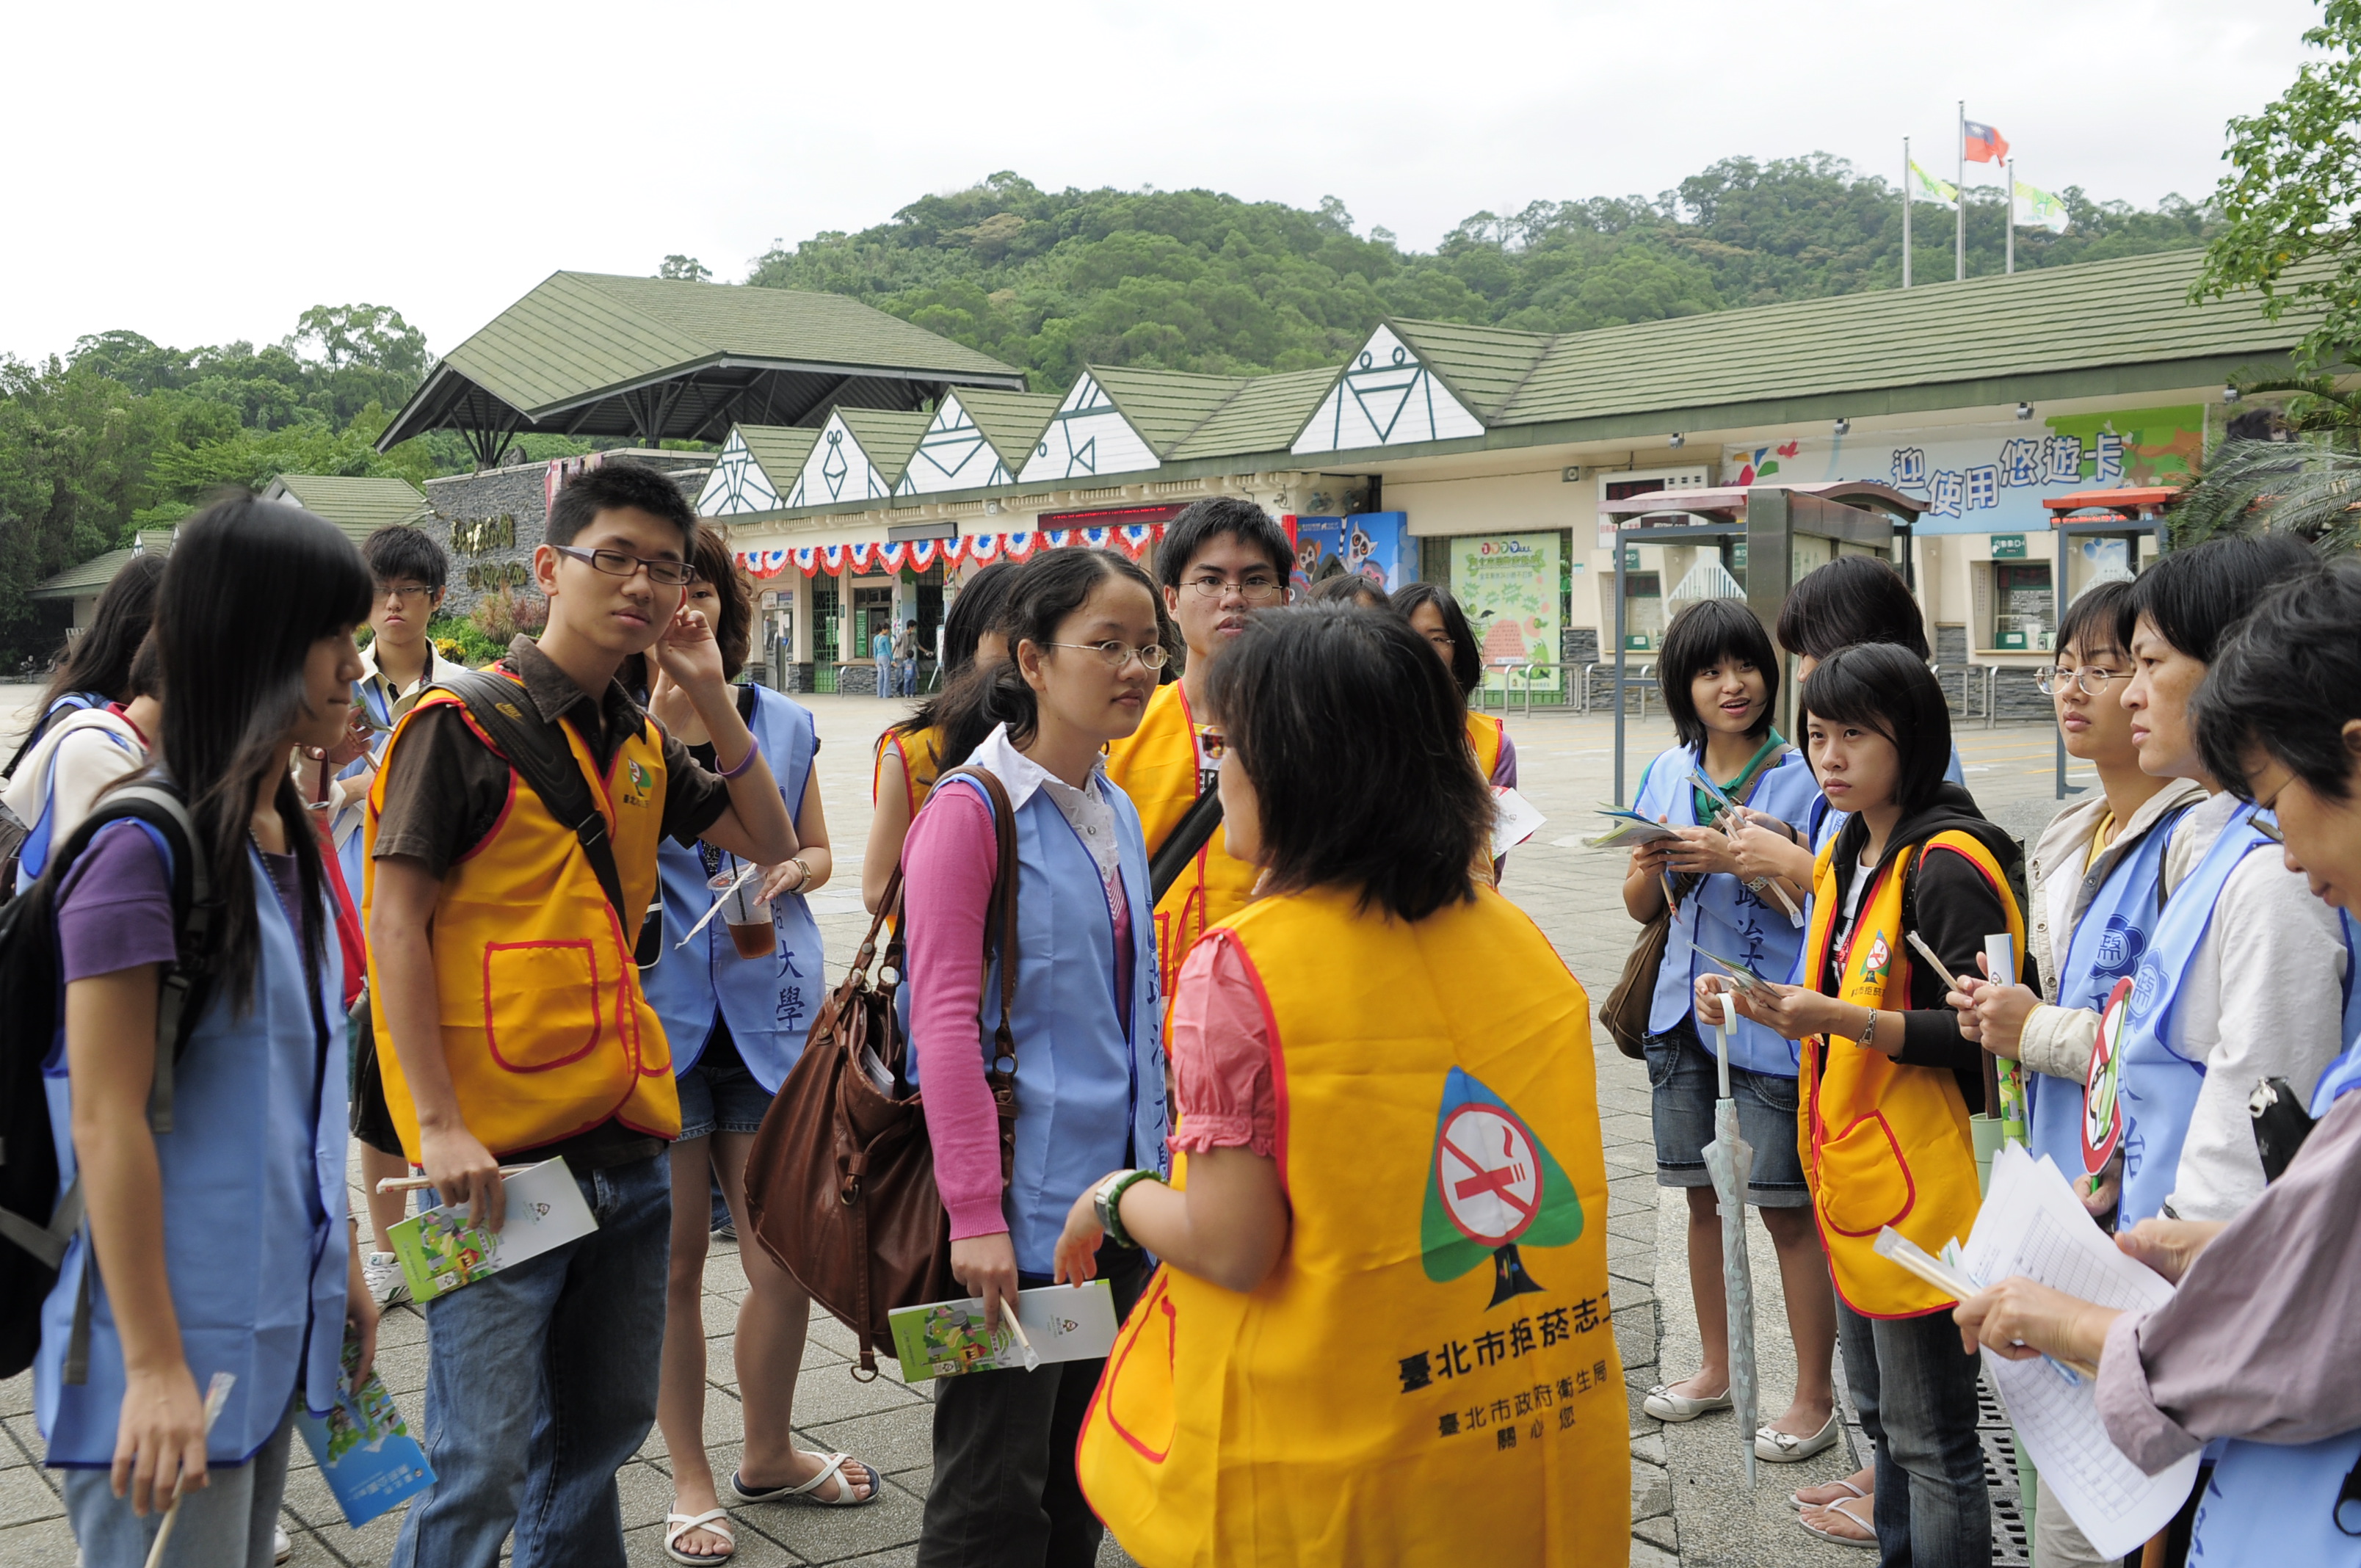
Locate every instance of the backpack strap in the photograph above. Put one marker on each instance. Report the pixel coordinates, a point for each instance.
(538, 753)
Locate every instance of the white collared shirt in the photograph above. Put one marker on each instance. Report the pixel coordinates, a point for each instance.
(1085, 808)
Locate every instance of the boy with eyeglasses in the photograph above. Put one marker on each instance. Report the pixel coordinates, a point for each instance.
(407, 574)
(513, 1028)
(1220, 560)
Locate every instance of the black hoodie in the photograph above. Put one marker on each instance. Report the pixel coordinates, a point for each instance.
(1952, 907)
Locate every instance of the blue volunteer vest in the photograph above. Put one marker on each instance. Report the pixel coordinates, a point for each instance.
(2159, 1085)
(254, 1211)
(33, 856)
(2344, 1072)
(1723, 914)
(768, 1003)
(1089, 1063)
(2107, 945)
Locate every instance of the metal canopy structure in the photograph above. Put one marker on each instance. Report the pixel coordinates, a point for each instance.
(1769, 520)
(656, 359)
(2130, 515)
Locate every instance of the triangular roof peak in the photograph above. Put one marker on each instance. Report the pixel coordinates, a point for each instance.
(757, 464)
(1087, 435)
(1387, 395)
(859, 455)
(974, 438)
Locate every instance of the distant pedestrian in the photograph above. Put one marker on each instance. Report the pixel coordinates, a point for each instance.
(881, 654)
(905, 660)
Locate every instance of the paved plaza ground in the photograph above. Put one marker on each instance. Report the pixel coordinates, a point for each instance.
(1690, 1505)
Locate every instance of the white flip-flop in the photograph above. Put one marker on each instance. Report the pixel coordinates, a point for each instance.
(714, 1520)
(1829, 1535)
(1796, 1498)
(808, 1491)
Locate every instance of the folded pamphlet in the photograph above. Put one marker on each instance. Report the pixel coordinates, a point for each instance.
(1515, 819)
(440, 1251)
(945, 1339)
(1629, 831)
(364, 1448)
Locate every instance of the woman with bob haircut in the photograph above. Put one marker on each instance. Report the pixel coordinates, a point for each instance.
(911, 752)
(1434, 615)
(1085, 631)
(1888, 1079)
(1386, 1180)
(1720, 680)
(221, 1245)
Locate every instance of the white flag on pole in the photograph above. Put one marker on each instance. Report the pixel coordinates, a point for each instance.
(1925, 187)
(2037, 209)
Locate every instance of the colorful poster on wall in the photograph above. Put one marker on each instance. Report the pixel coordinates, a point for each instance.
(1993, 478)
(1510, 587)
(1376, 544)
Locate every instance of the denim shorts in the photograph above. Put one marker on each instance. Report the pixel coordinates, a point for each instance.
(719, 1094)
(1687, 1082)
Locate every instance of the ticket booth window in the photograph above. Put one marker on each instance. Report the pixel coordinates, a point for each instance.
(2025, 605)
(1644, 610)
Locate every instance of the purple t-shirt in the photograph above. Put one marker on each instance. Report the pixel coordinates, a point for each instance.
(115, 908)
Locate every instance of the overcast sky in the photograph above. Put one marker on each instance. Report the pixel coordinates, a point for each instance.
(202, 173)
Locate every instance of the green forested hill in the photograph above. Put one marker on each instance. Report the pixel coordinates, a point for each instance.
(1198, 280)
(125, 430)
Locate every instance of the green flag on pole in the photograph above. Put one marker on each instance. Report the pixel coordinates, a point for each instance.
(1925, 187)
(2037, 209)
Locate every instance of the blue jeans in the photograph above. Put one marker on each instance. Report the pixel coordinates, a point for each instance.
(909, 672)
(541, 1383)
(1916, 1392)
(226, 1524)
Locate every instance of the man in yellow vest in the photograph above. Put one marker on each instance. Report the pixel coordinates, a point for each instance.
(1220, 560)
(501, 975)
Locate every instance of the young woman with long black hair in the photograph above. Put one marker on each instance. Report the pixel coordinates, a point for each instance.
(1434, 615)
(1085, 641)
(221, 1245)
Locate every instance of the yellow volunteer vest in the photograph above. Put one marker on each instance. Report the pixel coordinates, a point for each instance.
(920, 763)
(1157, 766)
(1885, 1143)
(1429, 1375)
(545, 1026)
(1484, 732)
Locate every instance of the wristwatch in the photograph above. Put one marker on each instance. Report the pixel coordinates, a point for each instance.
(1107, 1202)
(804, 866)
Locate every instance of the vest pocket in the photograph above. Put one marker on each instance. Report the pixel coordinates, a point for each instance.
(1141, 1406)
(540, 1004)
(1864, 1183)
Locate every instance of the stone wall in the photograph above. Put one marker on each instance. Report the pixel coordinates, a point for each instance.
(491, 522)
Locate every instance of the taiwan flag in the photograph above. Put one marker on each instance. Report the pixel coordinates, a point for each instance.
(1983, 144)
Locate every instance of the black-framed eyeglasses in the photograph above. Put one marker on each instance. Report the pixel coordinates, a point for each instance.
(1254, 590)
(402, 591)
(1117, 654)
(615, 564)
(2093, 679)
(2268, 826)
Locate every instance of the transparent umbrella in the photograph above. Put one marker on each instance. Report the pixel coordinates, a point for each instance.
(1730, 1162)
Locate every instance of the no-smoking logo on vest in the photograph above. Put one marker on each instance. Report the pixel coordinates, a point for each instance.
(1491, 1185)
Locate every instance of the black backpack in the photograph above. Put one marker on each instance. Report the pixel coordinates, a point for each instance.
(34, 1216)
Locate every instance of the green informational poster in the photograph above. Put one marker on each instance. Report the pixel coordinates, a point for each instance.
(1510, 587)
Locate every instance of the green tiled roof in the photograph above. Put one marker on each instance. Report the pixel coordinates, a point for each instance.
(582, 333)
(779, 450)
(1483, 366)
(1011, 421)
(887, 435)
(1262, 416)
(91, 576)
(2090, 316)
(359, 507)
(1165, 406)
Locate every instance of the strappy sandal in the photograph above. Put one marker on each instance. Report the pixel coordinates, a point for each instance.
(1845, 1508)
(1796, 1498)
(808, 1491)
(714, 1521)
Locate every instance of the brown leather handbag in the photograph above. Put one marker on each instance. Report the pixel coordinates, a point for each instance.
(841, 1183)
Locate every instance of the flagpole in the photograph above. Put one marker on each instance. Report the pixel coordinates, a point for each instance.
(1960, 201)
(1906, 212)
(2010, 165)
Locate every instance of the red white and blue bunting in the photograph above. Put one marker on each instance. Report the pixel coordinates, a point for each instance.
(973, 549)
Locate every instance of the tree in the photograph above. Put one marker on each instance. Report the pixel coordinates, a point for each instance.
(687, 268)
(2288, 205)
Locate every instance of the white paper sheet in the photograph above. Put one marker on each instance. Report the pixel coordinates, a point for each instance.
(1515, 819)
(2032, 1224)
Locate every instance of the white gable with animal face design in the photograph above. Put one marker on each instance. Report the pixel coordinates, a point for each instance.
(953, 455)
(1087, 435)
(737, 484)
(838, 470)
(1386, 398)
